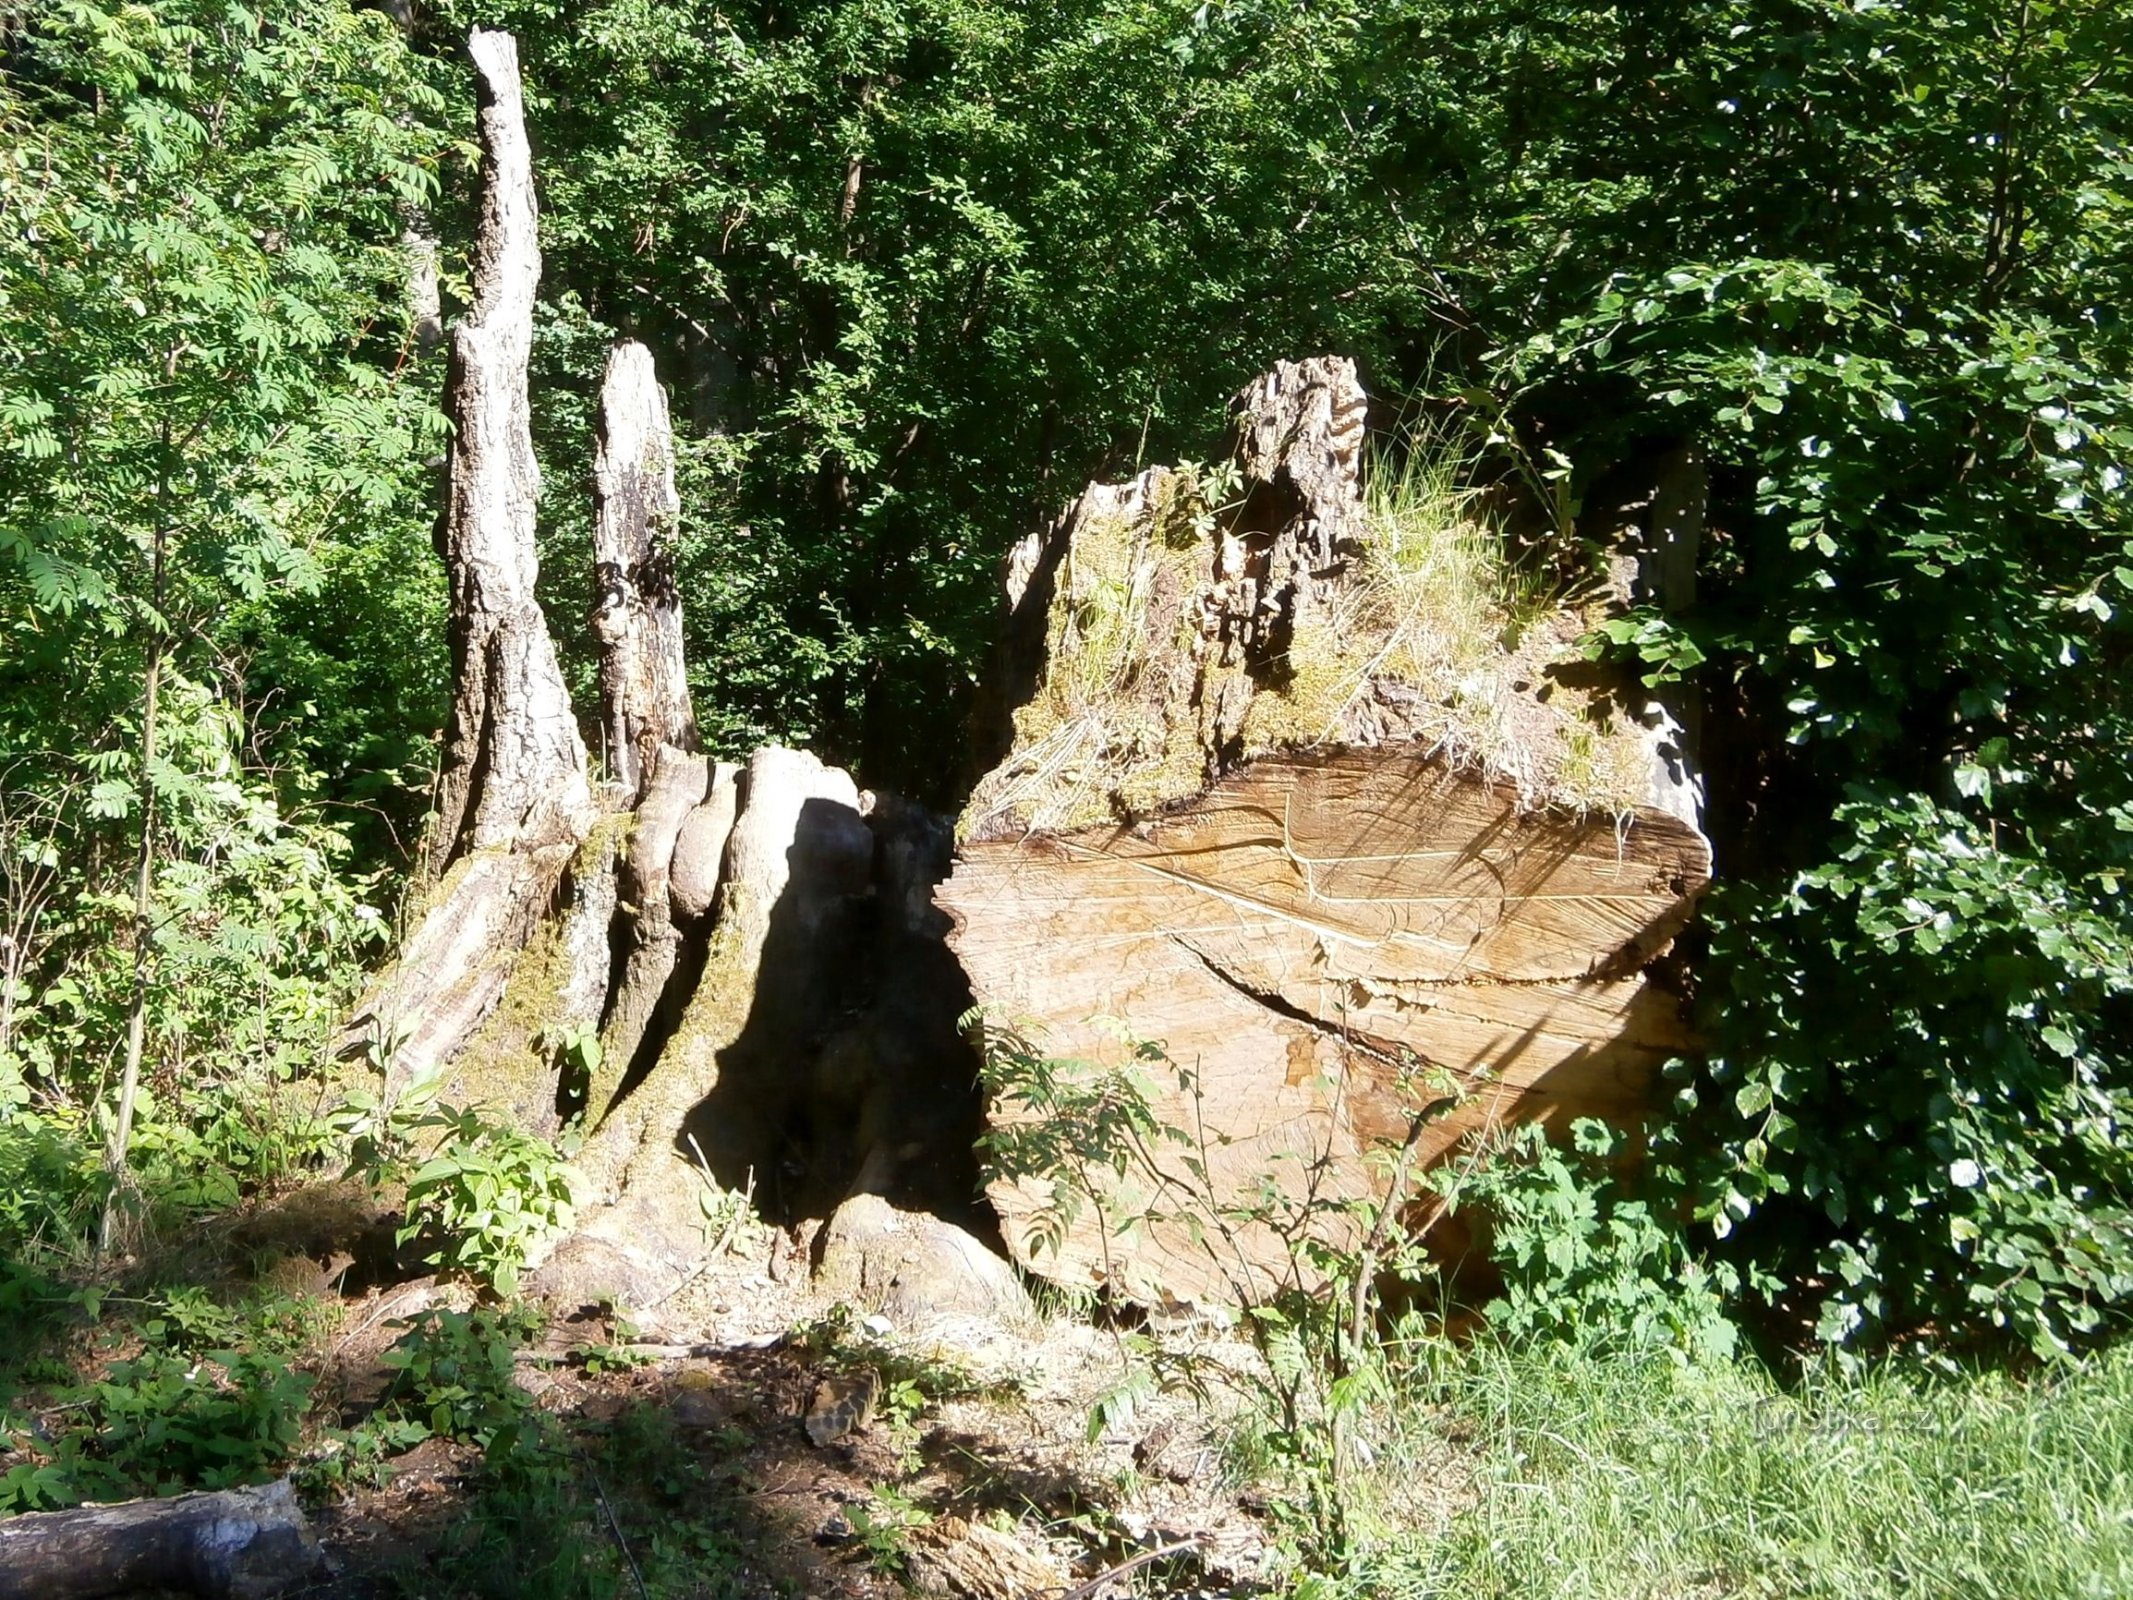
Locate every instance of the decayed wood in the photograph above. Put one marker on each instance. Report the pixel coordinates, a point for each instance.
(700, 850)
(1305, 928)
(242, 1544)
(514, 767)
(644, 685)
(513, 800)
(974, 1562)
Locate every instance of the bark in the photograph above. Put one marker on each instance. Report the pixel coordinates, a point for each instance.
(513, 801)
(425, 302)
(725, 1078)
(675, 785)
(1303, 910)
(237, 1544)
(1647, 514)
(700, 850)
(644, 685)
(514, 768)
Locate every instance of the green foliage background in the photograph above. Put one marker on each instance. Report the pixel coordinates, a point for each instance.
(914, 269)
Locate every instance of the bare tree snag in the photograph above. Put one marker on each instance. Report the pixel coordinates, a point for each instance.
(237, 1544)
(756, 952)
(1231, 822)
(513, 800)
(514, 767)
(644, 685)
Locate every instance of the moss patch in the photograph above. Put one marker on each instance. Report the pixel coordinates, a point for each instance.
(510, 1063)
(1430, 637)
(506, 1064)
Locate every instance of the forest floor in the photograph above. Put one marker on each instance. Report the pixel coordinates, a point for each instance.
(688, 1429)
(454, 1450)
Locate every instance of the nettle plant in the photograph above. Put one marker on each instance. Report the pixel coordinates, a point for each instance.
(482, 1193)
(1588, 1245)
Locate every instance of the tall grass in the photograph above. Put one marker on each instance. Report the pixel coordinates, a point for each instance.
(1439, 608)
(1627, 1478)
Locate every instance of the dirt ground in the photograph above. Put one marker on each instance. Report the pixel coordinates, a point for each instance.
(979, 1425)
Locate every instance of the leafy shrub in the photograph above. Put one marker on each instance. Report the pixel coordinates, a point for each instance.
(492, 1191)
(162, 1422)
(452, 1378)
(1581, 1258)
(229, 1417)
(453, 1370)
(1918, 1112)
(483, 1192)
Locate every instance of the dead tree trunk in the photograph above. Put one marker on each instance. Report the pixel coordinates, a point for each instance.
(648, 723)
(514, 767)
(798, 856)
(513, 800)
(238, 1544)
(721, 932)
(1273, 803)
(644, 684)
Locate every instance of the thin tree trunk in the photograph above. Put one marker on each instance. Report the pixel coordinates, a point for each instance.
(144, 882)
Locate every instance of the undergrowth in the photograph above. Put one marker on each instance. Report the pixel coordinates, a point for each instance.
(1597, 1426)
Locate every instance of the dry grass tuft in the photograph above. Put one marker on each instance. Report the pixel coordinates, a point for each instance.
(1465, 641)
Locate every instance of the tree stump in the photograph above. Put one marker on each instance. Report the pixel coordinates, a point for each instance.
(752, 947)
(1238, 819)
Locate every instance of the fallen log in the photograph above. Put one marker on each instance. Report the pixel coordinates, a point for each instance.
(234, 1544)
(1341, 870)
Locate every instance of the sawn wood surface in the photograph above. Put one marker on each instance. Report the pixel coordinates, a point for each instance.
(1298, 939)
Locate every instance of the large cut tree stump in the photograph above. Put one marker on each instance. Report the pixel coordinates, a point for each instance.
(1239, 819)
(236, 1544)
